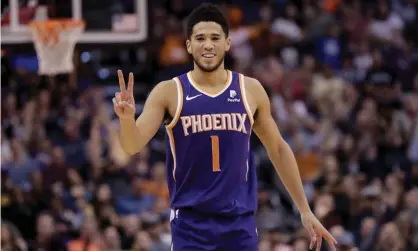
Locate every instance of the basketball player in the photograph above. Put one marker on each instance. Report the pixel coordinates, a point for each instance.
(209, 114)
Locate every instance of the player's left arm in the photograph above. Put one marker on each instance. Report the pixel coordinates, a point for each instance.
(283, 159)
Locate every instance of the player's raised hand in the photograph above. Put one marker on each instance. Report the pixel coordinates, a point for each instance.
(317, 232)
(123, 102)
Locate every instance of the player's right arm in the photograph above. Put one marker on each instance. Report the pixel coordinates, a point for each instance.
(134, 135)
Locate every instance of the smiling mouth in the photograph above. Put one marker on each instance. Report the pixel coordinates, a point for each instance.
(208, 55)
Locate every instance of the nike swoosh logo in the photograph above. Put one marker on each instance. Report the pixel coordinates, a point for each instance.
(193, 97)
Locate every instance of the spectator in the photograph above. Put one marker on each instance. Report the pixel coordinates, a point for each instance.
(46, 235)
(11, 238)
(135, 202)
(112, 239)
(90, 238)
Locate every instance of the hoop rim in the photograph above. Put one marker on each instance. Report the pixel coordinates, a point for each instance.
(47, 32)
(66, 22)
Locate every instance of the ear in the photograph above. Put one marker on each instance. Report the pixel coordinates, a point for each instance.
(227, 44)
(189, 46)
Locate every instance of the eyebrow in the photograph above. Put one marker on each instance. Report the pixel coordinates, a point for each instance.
(213, 34)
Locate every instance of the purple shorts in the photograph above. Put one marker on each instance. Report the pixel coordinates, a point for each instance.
(194, 231)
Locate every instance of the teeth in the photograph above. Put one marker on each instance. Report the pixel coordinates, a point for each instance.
(208, 55)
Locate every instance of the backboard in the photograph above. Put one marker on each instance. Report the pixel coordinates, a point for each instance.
(107, 21)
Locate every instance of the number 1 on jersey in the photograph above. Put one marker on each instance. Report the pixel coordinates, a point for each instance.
(215, 153)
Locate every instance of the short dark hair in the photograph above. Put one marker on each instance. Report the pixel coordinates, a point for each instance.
(206, 12)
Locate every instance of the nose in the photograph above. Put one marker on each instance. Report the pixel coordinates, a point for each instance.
(208, 46)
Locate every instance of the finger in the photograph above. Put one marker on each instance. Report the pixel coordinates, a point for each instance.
(117, 97)
(131, 83)
(319, 243)
(331, 238)
(126, 105)
(332, 246)
(331, 242)
(122, 104)
(115, 103)
(313, 242)
(121, 81)
(312, 234)
(328, 236)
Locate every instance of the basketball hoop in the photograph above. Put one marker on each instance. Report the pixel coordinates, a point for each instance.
(54, 41)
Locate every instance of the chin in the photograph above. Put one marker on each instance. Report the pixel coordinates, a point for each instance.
(208, 68)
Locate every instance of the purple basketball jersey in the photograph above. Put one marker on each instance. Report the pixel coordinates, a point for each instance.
(208, 165)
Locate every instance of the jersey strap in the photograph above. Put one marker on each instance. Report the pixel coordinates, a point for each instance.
(169, 127)
(179, 103)
(244, 98)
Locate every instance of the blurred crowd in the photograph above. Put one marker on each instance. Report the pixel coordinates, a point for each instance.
(343, 81)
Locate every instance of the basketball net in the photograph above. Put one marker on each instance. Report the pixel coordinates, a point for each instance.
(54, 41)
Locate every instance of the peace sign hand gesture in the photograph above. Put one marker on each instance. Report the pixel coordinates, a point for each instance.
(123, 102)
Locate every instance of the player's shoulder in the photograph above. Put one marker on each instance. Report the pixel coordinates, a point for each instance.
(165, 88)
(251, 82)
(169, 84)
(253, 86)
(162, 92)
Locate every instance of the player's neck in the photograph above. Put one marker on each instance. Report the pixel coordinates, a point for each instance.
(216, 77)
